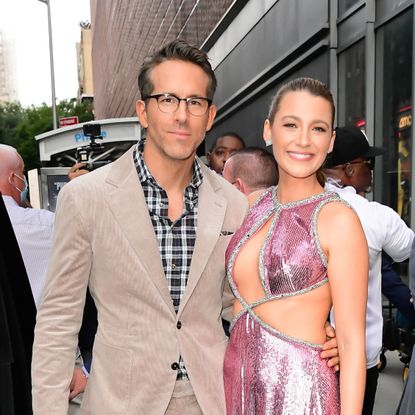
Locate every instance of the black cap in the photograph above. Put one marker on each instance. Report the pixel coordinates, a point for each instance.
(351, 143)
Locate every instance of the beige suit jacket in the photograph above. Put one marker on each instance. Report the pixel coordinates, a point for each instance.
(104, 237)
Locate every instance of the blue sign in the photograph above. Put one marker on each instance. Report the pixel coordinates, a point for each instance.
(80, 137)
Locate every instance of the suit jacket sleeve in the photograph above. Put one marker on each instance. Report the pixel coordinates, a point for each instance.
(60, 314)
(227, 302)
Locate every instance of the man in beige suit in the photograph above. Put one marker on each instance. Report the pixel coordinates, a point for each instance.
(148, 234)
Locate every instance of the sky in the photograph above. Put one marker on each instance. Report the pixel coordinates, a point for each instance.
(25, 23)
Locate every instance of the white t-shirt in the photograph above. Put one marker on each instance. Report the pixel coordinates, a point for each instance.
(384, 230)
(33, 230)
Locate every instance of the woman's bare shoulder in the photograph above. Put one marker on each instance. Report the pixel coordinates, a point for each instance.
(338, 210)
(338, 219)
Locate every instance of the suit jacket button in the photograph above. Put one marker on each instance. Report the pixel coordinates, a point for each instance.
(174, 366)
(179, 325)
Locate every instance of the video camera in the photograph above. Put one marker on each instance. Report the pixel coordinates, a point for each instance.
(93, 152)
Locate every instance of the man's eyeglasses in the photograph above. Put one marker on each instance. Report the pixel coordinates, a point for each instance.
(370, 163)
(169, 103)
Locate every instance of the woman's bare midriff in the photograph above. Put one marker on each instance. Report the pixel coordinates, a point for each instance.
(301, 316)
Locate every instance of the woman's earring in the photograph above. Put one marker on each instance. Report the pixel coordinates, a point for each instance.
(268, 143)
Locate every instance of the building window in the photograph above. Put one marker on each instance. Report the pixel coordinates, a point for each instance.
(395, 51)
(345, 5)
(351, 93)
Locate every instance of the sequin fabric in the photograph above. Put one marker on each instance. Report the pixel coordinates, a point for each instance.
(265, 371)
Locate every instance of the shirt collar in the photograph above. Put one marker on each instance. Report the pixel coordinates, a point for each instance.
(334, 181)
(8, 200)
(335, 185)
(144, 174)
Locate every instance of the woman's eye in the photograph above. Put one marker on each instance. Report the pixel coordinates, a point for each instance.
(320, 129)
(289, 125)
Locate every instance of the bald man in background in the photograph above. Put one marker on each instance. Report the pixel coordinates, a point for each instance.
(250, 170)
(33, 230)
(32, 227)
(17, 322)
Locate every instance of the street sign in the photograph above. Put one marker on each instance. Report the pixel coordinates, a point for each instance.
(65, 121)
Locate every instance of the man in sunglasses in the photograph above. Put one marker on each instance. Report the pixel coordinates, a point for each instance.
(349, 171)
(353, 159)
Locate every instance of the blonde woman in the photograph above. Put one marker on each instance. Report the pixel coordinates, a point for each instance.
(299, 252)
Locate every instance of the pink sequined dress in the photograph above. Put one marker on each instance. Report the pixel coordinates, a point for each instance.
(265, 371)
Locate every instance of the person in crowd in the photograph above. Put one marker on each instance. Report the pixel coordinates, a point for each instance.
(251, 169)
(287, 269)
(406, 404)
(221, 150)
(147, 233)
(33, 229)
(17, 322)
(349, 171)
(397, 292)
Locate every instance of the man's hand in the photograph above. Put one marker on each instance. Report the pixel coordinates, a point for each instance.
(77, 170)
(78, 383)
(330, 350)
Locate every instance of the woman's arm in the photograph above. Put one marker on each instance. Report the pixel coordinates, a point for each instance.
(347, 254)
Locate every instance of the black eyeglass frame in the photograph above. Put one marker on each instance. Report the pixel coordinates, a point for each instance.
(166, 95)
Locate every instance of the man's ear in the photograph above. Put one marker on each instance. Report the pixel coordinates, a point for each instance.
(348, 170)
(239, 185)
(140, 109)
(211, 116)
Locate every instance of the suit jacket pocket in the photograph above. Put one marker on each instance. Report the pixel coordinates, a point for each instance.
(109, 386)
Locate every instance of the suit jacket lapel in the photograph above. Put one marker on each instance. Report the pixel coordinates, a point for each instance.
(126, 199)
(211, 213)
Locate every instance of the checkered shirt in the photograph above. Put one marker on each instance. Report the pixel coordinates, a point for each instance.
(176, 240)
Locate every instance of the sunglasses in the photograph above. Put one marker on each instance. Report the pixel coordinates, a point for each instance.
(370, 163)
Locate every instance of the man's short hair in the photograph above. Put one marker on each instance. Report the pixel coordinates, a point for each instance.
(228, 134)
(255, 166)
(176, 50)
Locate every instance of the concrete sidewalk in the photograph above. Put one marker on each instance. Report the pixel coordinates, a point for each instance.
(390, 386)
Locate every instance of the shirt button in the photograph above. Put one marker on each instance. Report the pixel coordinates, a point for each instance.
(175, 366)
(179, 325)
(173, 266)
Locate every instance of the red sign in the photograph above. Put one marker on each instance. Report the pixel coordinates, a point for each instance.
(65, 121)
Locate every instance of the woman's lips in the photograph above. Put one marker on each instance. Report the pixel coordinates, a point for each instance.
(300, 156)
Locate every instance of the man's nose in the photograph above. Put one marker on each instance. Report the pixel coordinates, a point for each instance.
(181, 112)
